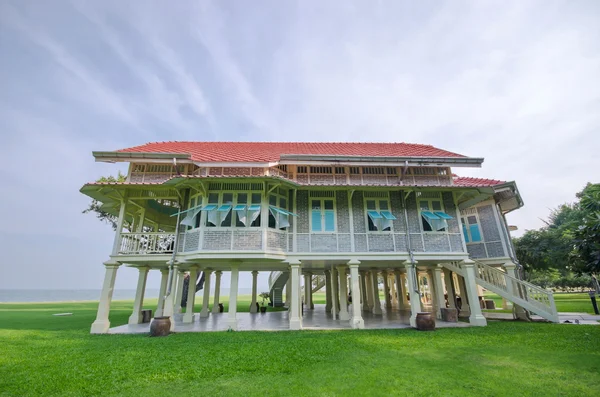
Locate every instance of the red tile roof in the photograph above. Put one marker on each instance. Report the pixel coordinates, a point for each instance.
(476, 182)
(271, 151)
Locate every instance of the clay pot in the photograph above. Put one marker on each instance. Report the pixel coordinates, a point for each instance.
(160, 326)
(263, 309)
(425, 322)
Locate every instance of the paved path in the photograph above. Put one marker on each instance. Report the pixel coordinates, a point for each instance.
(583, 318)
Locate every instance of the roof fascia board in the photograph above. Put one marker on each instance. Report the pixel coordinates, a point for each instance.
(234, 164)
(399, 161)
(113, 157)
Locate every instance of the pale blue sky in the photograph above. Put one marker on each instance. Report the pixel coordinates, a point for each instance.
(516, 82)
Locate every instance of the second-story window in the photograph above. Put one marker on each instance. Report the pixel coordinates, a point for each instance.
(279, 216)
(379, 216)
(433, 217)
(471, 229)
(322, 216)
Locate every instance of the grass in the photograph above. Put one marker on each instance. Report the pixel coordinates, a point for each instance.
(565, 302)
(45, 355)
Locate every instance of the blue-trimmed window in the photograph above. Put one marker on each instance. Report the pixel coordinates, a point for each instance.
(379, 216)
(322, 215)
(433, 217)
(471, 229)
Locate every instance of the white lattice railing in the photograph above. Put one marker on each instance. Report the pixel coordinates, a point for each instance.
(527, 295)
(146, 243)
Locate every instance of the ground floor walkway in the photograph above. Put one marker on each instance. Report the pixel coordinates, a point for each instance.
(564, 318)
(316, 318)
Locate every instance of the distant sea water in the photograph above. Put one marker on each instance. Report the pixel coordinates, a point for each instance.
(75, 295)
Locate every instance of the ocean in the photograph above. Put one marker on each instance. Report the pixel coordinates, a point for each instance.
(75, 295)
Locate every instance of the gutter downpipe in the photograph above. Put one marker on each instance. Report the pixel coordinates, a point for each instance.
(408, 247)
(172, 261)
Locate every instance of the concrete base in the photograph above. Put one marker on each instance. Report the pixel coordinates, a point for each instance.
(295, 325)
(478, 320)
(344, 316)
(100, 327)
(189, 318)
(204, 313)
(232, 324)
(358, 323)
(377, 309)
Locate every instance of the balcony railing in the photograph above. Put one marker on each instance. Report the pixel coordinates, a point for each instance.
(146, 243)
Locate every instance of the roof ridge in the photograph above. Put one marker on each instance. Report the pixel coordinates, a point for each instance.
(299, 142)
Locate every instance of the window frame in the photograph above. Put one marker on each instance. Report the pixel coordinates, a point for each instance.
(310, 217)
(378, 209)
(233, 213)
(468, 227)
(429, 202)
(279, 196)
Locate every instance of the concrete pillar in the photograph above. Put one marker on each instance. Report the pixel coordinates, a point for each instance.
(206, 298)
(311, 304)
(375, 289)
(344, 315)
(188, 317)
(217, 292)
(413, 290)
(288, 291)
(476, 317)
(327, 291)
(399, 290)
(357, 320)
(369, 284)
(386, 290)
(254, 281)
(439, 298)
(464, 298)
(102, 324)
(393, 290)
(307, 287)
(334, 293)
(449, 282)
(138, 303)
(294, 310)
(520, 313)
(169, 306)
(363, 290)
(404, 291)
(233, 292)
(179, 294)
(164, 277)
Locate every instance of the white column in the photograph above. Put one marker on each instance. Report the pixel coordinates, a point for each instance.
(369, 283)
(404, 291)
(253, 303)
(233, 291)
(288, 291)
(449, 282)
(476, 317)
(138, 303)
(334, 292)
(102, 324)
(327, 291)
(206, 299)
(161, 292)
(179, 295)
(386, 290)
(375, 288)
(357, 320)
(344, 315)
(399, 290)
(464, 299)
(307, 284)
(311, 304)
(363, 290)
(294, 310)
(170, 300)
(440, 300)
(188, 317)
(393, 290)
(217, 292)
(510, 269)
(413, 290)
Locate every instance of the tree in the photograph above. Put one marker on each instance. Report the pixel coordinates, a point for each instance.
(96, 207)
(587, 235)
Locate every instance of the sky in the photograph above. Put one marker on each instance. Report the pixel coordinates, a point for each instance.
(515, 82)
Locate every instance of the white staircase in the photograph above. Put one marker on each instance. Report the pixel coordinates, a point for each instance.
(522, 293)
(277, 280)
(318, 282)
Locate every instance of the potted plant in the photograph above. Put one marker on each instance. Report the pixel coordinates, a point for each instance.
(265, 298)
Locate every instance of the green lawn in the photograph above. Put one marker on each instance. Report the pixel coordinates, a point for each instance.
(41, 354)
(565, 302)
